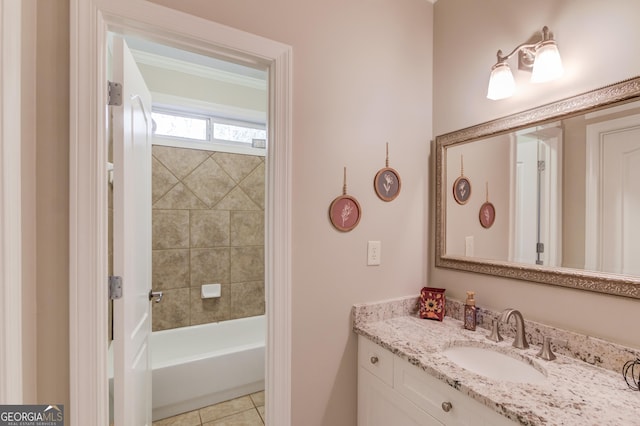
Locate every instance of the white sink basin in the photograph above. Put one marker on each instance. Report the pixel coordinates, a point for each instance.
(495, 365)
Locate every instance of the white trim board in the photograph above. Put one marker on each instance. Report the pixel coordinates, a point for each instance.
(208, 146)
(11, 391)
(220, 110)
(91, 20)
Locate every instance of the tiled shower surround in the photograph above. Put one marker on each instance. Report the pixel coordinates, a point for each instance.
(208, 227)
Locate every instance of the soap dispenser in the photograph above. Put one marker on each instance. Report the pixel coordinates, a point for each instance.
(470, 312)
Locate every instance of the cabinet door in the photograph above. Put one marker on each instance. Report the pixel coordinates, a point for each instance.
(429, 393)
(380, 405)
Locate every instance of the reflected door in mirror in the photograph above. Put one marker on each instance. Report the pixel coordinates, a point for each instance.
(613, 231)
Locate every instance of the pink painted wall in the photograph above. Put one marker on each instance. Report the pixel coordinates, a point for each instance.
(361, 78)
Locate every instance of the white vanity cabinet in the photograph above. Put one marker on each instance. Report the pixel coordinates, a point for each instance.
(392, 392)
(379, 404)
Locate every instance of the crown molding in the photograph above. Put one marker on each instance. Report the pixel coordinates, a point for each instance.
(197, 70)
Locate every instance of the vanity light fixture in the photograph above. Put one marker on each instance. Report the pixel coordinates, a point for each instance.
(541, 58)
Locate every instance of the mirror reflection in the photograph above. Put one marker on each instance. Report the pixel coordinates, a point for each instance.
(550, 194)
(566, 193)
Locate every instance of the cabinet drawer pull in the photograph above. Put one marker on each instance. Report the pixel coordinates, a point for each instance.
(374, 359)
(446, 406)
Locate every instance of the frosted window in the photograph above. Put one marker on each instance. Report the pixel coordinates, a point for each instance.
(180, 126)
(230, 132)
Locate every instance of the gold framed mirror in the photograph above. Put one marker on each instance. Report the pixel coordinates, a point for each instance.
(562, 214)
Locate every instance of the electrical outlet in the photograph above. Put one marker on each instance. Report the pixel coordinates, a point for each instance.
(373, 253)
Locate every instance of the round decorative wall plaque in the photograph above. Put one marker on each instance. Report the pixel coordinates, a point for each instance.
(387, 182)
(344, 212)
(462, 186)
(487, 213)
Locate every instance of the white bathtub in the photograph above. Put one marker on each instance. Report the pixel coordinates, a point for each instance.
(204, 364)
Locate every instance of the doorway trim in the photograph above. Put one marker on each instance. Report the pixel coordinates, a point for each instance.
(90, 22)
(11, 340)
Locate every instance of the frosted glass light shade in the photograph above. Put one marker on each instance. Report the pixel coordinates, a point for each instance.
(501, 84)
(548, 65)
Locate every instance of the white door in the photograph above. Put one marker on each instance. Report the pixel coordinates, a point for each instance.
(132, 242)
(621, 202)
(526, 203)
(538, 197)
(612, 232)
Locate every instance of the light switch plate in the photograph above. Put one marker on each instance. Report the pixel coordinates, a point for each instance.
(468, 246)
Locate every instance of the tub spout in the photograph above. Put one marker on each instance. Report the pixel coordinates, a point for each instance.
(156, 296)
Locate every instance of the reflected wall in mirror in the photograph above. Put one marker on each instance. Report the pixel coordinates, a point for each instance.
(565, 183)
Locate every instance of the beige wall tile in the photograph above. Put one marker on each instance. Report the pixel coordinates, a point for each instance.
(162, 180)
(173, 311)
(204, 311)
(247, 228)
(237, 199)
(247, 264)
(199, 213)
(170, 229)
(179, 198)
(210, 266)
(209, 182)
(170, 269)
(247, 299)
(238, 166)
(209, 228)
(180, 161)
(253, 185)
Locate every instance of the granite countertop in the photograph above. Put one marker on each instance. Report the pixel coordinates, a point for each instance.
(574, 393)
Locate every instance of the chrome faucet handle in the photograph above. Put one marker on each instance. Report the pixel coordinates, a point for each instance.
(495, 332)
(545, 351)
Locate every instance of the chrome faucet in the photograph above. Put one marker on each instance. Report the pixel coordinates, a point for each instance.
(520, 340)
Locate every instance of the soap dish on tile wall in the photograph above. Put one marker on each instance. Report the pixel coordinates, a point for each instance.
(210, 291)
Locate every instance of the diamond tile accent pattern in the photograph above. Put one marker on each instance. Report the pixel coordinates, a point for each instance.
(208, 227)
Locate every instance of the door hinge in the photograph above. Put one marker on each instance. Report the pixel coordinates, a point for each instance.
(539, 247)
(115, 287)
(542, 166)
(114, 94)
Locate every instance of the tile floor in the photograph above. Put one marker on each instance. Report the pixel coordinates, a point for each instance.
(244, 411)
